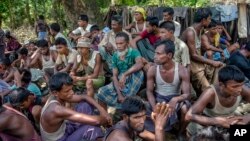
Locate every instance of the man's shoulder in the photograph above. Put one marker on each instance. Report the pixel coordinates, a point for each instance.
(118, 134)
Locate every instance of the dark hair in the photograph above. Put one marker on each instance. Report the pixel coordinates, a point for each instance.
(168, 25)
(23, 51)
(169, 46)
(42, 43)
(60, 41)
(84, 17)
(169, 10)
(41, 17)
(153, 21)
(26, 78)
(59, 79)
(247, 47)
(202, 13)
(219, 23)
(117, 18)
(5, 61)
(230, 72)
(124, 35)
(8, 34)
(55, 27)
(210, 134)
(94, 27)
(133, 105)
(213, 23)
(20, 96)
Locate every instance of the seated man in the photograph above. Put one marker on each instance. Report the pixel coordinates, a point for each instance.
(22, 78)
(139, 25)
(89, 64)
(46, 56)
(84, 27)
(201, 77)
(23, 59)
(181, 54)
(217, 104)
(7, 71)
(66, 56)
(55, 32)
(58, 122)
(168, 81)
(241, 60)
(152, 35)
(211, 45)
(132, 125)
(108, 44)
(168, 15)
(127, 74)
(27, 102)
(14, 126)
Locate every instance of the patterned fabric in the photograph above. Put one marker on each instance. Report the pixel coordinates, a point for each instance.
(108, 95)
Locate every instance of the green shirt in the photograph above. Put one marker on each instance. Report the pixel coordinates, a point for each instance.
(127, 63)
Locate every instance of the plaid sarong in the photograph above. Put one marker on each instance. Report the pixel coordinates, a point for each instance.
(108, 95)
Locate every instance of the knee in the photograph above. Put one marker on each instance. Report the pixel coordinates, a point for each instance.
(184, 109)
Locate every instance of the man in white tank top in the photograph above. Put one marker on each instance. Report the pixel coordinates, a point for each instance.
(217, 104)
(46, 56)
(169, 81)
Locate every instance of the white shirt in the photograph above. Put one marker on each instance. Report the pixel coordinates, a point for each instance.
(82, 31)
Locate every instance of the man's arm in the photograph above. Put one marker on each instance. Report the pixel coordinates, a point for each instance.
(136, 67)
(35, 60)
(192, 49)
(71, 115)
(205, 43)
(118, 135)
(134, 41)
(185, 84)
(194, 114)
(67, 68)
(246, 93)
(150, 86)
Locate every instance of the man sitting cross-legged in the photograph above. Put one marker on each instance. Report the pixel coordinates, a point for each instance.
(168, 81)
(61, 123)
(127, 74)
(217, 104)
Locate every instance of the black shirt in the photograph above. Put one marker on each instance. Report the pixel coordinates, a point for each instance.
(241, 62)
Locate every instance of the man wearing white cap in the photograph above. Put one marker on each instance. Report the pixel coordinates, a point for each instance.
(89, 64)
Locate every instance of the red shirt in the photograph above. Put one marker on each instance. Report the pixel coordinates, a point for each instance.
(151, 37)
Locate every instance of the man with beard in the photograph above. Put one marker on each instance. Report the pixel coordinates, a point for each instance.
(192, 37)
(168, 81)
(127, 74)
(108, 45)
(132, 125)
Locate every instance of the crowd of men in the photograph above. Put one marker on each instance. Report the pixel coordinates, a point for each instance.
(159, 79)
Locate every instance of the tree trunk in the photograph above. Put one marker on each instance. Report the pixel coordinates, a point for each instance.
(73, 8)
(28, 12)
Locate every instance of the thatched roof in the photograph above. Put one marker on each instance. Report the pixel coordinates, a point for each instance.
(230, 1)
